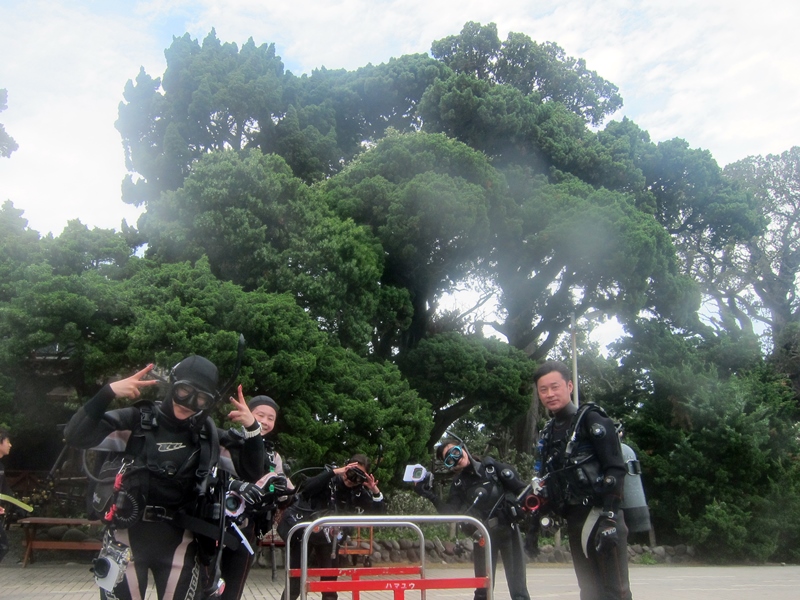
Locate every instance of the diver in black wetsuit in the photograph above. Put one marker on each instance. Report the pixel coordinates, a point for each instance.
(584, 469)
(262, 500)
(486, 489)
(337, 490)
(171, 448)
(5, 448)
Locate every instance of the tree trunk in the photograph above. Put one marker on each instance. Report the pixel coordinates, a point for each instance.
(526, 433)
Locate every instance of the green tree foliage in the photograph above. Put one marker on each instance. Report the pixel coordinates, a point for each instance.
(61, 325)
(77, 328)
(261, 227)
(352, 405)
(212, 97)
(705, 213)
(57, 319)
(569, 248)
(390, 93)
(7, 143)
(462, 377)
(719, 460)
(692, 197)
(351, 110)
(542, 70)
(515, 129)
(763, 279)
(332, 401)
(429, 201)
(716, 431)
(79, 249)
(215, 96)
(19, 246)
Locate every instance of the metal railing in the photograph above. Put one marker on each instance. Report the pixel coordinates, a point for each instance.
(397, 587)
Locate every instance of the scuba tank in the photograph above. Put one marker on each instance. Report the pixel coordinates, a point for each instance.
(634, 503)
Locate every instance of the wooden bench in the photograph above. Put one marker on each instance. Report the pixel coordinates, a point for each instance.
(31, 526)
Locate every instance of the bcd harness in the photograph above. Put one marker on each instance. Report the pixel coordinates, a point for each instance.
(127, 502)
(497, 497)
(571, 470)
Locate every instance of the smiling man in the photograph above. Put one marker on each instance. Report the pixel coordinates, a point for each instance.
(584, 472)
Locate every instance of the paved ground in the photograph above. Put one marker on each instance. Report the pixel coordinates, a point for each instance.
(74, 582)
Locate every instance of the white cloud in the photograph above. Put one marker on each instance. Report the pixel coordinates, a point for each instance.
(719, 73)
(64, 83)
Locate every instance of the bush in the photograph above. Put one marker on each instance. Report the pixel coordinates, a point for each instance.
(409, 503)
(724, 479)
(721, 529)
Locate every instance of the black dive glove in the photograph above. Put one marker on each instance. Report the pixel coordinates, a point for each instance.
(606, 537)
(250, 492)
(277, 485)
(424, 487)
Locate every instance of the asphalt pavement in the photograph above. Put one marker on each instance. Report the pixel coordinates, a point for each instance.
(71, 581)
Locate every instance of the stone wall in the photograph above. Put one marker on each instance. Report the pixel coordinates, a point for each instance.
(438, 551)
(637, 553)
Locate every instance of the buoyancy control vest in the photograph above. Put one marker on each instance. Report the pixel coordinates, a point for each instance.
(160, 467)
(570, 464)
(489, 491)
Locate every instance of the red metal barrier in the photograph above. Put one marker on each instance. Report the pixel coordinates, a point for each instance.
(397, 586)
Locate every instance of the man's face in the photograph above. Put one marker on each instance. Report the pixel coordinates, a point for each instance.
(5, 447)
(554, 391)
(265, 415)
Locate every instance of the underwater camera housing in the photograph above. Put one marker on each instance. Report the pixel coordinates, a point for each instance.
(109, 566)
(415, 473)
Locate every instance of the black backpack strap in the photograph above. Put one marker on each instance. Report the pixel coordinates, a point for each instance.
(142, 442)
(209, 448)
(209, 454)
(148, 423)
(577, 421)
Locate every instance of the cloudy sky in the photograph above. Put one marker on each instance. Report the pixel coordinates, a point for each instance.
(722, 74)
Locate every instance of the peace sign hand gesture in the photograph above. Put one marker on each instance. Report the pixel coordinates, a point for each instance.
(241, 413)
(130, 387)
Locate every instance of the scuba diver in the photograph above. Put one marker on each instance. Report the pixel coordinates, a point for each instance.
(337, 490)
(5, 448)
(488, 490)
(259, 501)
(583, 473)
(161, 507)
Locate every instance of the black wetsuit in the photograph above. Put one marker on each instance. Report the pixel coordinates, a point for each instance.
(4, 489)
(583, 483)
(323, 494)
(159, 540)
(495, 485)
(255, 521)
